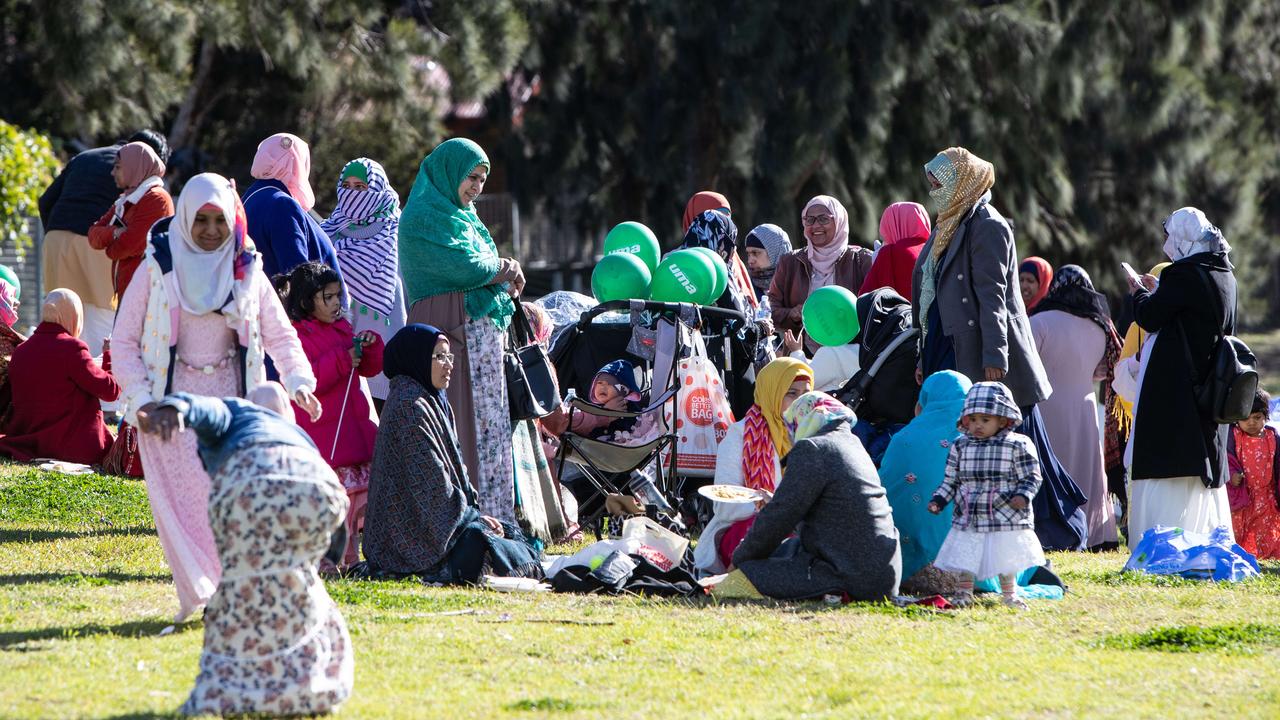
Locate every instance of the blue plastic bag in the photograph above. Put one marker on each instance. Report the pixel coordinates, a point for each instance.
(1172, 551)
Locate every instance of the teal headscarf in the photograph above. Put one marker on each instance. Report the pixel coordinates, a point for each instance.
(914, 464)
(443, 246)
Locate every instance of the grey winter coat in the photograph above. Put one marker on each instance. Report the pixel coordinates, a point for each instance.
(981, 306)
(832, 498)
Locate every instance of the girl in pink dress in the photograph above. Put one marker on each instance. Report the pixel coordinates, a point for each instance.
(1254, 486)
(197, 318)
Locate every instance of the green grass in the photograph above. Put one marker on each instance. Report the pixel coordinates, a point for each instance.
(84, 591)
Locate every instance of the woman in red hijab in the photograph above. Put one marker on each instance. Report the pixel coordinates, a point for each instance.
(904, 228)
(1035, 274)
(708, 200)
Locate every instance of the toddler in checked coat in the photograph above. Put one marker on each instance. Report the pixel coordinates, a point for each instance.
(992, 474)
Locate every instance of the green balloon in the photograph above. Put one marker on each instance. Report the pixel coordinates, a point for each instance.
(620, 277)
(684, 276)
(636, 239)
(8, 275)
(722, 271)
(831, 315)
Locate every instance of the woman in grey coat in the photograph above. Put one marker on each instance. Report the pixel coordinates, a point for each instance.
(832, 499)
(970, 311)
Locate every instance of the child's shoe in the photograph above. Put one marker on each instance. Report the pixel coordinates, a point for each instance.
(963, 599)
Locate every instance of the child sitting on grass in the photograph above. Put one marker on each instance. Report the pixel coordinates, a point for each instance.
(1255, 481)
(992, 473)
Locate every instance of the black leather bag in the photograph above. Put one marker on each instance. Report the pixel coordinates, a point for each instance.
(532, 391)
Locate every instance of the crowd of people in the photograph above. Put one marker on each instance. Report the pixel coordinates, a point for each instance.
(312, 394)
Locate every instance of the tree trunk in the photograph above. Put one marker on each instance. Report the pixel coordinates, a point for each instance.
(183, 126)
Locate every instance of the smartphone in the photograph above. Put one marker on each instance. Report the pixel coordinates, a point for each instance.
(1133, 275)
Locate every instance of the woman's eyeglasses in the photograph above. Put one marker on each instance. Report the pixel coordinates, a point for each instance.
(819, 220)
(443, 357)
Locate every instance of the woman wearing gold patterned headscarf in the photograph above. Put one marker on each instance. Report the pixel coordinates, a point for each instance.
(969, 308)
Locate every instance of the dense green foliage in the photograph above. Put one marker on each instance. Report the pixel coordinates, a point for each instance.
(27, 165)
(1101, 117)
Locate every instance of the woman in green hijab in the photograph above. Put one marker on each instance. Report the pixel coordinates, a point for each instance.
(455, 280)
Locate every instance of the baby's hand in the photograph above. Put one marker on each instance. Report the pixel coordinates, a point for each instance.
(935, 508)
(1018, 502)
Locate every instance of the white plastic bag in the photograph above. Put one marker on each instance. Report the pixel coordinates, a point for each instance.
(666, 545)
(703, 414)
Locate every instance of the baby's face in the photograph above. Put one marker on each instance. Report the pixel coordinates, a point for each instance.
(982, 425)
(604, 390)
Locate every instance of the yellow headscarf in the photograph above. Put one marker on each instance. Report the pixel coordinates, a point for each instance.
(965, 178)
(772, 385)
(1134, 337)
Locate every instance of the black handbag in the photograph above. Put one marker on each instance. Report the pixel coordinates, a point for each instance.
(532, 390)
(1225, 395)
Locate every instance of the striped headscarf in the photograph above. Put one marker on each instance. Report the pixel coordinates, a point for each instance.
(764, 434)
(364, 228)
(965, 178)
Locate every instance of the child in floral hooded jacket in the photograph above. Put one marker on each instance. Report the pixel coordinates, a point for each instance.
(992, 474)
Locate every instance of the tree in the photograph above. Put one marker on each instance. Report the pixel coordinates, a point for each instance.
(27, 166)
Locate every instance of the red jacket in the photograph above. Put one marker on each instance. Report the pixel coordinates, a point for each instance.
(126, 251)
(893, 266)
(328, 347)
(56, 392)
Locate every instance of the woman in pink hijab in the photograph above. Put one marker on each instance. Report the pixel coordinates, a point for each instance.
(278, 207)
(904, 228)
(826, 259)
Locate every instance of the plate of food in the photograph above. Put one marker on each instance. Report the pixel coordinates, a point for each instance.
(731, 493)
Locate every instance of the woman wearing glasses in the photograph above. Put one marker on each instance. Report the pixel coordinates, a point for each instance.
(423, 516)
(826, 259)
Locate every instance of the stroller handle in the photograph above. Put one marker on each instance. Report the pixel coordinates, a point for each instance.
(654, 306)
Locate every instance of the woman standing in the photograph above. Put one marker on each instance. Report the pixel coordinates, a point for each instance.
(200, 318)
(828, 259)
(1177, 454)
(274, 641)
(1074, 334)
(969, 310)
(904, 228)
(123, 232)
(1035, 275)
(751, 455)
(363, 228)
(278, 207)
(739, 277)
(454, 280)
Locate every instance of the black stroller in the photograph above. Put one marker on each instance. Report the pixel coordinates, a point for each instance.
(608, 470)
(884, 391)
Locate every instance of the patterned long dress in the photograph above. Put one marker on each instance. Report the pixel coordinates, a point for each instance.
(274, 641)
(1257, 525)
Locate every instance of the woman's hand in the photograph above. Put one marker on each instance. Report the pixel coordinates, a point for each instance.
(156, 420)
(790, 341)
(494, 525)
(517, 280)
(309, 403)
(796, 314)
(1018, 502)
(766, 327)
(994, 373)
(1147, 282)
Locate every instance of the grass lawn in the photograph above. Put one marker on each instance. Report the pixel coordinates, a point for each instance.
(84, 591)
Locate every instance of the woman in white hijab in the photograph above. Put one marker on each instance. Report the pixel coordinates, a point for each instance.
(198, 317)
(1177, 456)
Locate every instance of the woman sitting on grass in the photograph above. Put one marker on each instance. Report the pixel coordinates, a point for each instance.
(57, 388)
(832, 500)
(274, 641)
(423, 516)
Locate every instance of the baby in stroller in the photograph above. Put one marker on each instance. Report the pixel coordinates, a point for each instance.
(614, 388)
